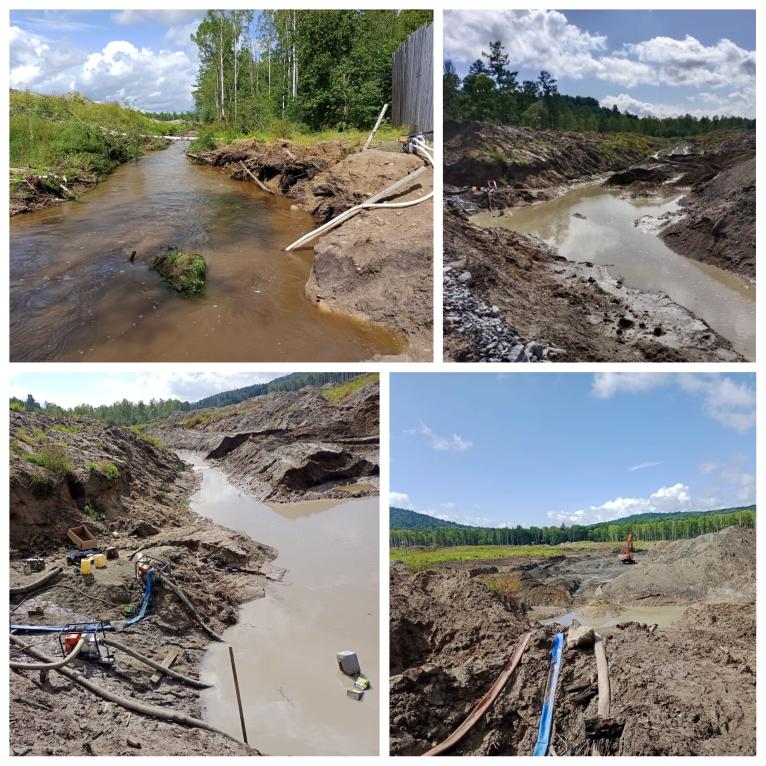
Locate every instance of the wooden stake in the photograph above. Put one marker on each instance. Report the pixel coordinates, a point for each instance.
(239, 698)
(256, 179)
(375, 129)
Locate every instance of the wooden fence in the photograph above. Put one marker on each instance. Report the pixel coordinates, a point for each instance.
(412, 87)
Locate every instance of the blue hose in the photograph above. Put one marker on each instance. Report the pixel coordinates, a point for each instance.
(546, 719)
(92, 627)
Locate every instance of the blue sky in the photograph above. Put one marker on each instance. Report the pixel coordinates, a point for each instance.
(141, 57)
(649, 62)
(549, 448)
(68, 389)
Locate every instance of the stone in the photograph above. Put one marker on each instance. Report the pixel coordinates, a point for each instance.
(348, 662)
(465, 277)
(580, 637)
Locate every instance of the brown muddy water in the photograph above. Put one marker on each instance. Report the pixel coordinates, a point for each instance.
(76, 297)
(663, 616)
(293, 694)
(592, 223)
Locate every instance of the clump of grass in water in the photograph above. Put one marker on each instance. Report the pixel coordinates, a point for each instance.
(183, 270)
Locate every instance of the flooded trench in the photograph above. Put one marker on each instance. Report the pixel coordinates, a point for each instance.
(293, 694)
(592, 223)
(74, 295)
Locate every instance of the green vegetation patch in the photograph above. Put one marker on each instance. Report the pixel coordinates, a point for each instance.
(105, 468)
(183, 270)
(342, 391)
(54, 458)
(153, 440)
(65, 428)
(418, 560)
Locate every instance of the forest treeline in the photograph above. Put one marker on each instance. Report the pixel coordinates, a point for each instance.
(647, 527)
(491, 92)
(315, 69)
(127, 413)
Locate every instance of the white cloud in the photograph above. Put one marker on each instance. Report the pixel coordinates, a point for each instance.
(400, 500)
(152, 80)
(170, 18)
(729, 403)
(665, 500)
(543, 39)
(607, 384)
(454, 443)
(646, 464)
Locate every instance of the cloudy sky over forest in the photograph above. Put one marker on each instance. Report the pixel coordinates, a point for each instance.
(662, 63)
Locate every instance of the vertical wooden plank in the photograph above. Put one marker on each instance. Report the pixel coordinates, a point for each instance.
(412, 81)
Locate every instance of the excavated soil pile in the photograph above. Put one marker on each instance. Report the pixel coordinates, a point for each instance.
(288, 446)
(719, 222)
(138, 492)
(279, 165)
(688, 689)
(509, 297)
(450, 638)
(378, 266)
(476, 153)
(60, 466)
(719, 566)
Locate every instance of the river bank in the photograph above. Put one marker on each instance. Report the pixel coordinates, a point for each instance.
(509, 296)
(375, 268)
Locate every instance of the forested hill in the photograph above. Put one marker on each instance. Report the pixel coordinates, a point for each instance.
(424, 530)
(401, 518)
(129, 413)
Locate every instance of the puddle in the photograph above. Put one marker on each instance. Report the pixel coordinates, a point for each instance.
(591, 223)
(294, 696)
(598, 618)
(74, 296)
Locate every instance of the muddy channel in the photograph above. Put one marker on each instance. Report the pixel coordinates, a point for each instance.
(76, 296)
(591, 223)
(294, 696)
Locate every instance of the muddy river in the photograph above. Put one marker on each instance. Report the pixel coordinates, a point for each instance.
(76, 297)
(591, 223)
(294, 696)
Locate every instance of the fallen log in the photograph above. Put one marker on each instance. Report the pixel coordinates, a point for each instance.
(183, 598)
(256, 179)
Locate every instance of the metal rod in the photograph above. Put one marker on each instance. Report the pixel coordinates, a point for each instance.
(239, 698)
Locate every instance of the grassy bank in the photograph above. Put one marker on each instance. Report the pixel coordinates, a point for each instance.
(418, 559)
(75, 138)
(213, 136)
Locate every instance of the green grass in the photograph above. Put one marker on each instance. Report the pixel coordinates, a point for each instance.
(63, 428)
(183, 270)
(75, 137)
(105, 468)
(620, 142)
(153, 440)
(17, 407)
(53, 458)
(342, 391)
(418, 560)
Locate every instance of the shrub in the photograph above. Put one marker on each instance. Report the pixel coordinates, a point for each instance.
(204, 142)
(105, 468)
(54, 458)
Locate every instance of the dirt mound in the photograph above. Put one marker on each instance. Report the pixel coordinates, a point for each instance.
(287, 446)
(476, 153)
(719, 225)
(686, 690)
(62, 466)
(575, 309)
(719, 566)
(378, 267)
(279, 165)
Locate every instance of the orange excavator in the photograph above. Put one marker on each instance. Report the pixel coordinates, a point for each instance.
(627, 552)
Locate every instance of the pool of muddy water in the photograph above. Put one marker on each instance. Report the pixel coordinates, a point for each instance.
(293, 694)
(601, 618)
(75, 296)
(595, 224)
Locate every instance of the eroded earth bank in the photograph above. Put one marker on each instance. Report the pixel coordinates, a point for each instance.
(679, 633)
(378, 266)
(133, 492)
(511, 295)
